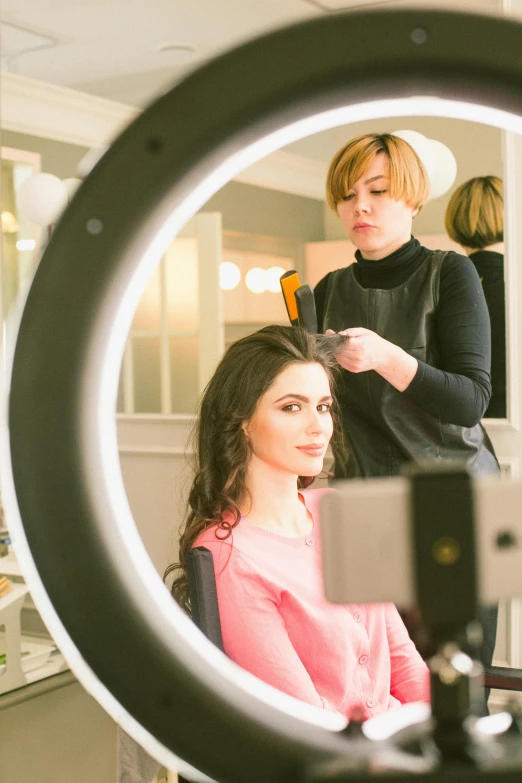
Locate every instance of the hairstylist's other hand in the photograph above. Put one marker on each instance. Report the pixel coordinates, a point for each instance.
(364, 350)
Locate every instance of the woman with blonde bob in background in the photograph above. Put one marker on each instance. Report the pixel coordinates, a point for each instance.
(475, 219)
(415, 378)
(264, 425)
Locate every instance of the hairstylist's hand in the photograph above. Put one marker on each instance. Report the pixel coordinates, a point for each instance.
(365, 350)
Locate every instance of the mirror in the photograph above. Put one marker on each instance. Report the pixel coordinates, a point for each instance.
(323, 255)
(165, 331)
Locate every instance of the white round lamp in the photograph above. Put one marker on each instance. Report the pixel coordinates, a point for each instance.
(445, 169)
(437, 159)
(422, 146)
(42, 198)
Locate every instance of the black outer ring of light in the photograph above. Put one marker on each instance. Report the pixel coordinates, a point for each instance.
(284, 76)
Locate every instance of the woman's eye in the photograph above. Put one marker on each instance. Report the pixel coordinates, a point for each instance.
(348, 197)
(324, 407)
(291, 408)
(378, 192)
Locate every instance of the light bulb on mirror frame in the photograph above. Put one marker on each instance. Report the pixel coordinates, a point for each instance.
(272, 279)
(255, 280)
(229, 275)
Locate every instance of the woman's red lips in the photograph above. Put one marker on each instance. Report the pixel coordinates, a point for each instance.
(359, 226)
(312, 448)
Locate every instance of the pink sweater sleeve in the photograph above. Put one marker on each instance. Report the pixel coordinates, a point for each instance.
(254, 633)
(409, 674)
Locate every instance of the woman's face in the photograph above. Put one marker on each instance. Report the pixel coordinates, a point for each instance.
(375, 223)
(292, 424)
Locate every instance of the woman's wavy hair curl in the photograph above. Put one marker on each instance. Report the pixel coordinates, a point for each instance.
(221, 448)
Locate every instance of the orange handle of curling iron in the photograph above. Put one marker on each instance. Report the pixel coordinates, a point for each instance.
(289, 285)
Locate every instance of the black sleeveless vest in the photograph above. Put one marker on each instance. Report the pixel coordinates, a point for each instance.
(383, 430)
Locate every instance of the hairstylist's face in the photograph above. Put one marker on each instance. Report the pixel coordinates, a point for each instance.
(292, 424)
(375, 223)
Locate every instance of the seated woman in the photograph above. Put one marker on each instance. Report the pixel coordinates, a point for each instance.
(264, 426)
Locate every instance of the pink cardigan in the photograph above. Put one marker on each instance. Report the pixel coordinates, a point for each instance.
(277, 624)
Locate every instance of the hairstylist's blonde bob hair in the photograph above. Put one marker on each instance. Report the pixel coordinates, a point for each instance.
(408, 178)
(475, 213)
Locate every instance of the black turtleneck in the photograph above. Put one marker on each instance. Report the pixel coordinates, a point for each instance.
(459, 390)
(392, 270)
(490, 267)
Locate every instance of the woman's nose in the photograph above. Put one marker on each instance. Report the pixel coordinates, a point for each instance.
(361, 205)
(315, 422)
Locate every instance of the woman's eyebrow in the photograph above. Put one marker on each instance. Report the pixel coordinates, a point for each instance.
(302, 398)
(372, 179)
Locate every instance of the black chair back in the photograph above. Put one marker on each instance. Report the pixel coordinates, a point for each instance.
(202, 591)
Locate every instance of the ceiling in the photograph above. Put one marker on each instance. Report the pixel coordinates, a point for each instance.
(130, 50)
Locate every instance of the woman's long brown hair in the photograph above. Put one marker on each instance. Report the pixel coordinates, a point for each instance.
(222, 451)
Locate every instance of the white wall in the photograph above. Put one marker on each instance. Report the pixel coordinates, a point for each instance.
(155, 461)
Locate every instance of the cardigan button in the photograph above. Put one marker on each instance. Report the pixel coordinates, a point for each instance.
(370, 702)
(363, 660)
(357, 617)
(309, 541)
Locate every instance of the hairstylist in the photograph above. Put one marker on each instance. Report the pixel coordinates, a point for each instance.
(417, 359)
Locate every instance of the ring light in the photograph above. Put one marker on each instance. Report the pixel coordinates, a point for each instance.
(85, 564)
